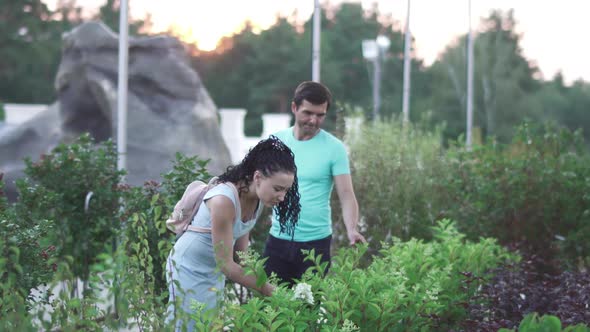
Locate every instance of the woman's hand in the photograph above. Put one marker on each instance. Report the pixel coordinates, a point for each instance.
(267, 289)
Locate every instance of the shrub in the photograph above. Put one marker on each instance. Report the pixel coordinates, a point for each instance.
(410, 286)
(535, 189)
(51, 212)
(13, 291)
(58, 187)
(151, 205)
(394, 168)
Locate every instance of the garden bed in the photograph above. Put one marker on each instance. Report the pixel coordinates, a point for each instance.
(532, 285)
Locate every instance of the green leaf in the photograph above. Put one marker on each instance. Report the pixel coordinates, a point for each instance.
(276, 324)
(550, 323)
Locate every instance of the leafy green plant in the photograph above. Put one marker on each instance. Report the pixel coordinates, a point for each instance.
(12, 293)
(184, 171)
(535, 189)
(546, 323)
(143, 306)
(394, 171)
(75, 188)
(33, 256)
(121, 292)
(154, 203)
(410, 285)
(123, 286)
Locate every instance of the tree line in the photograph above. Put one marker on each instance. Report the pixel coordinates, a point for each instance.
(259, 70)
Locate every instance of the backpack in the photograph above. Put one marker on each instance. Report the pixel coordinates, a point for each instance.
(188, 206)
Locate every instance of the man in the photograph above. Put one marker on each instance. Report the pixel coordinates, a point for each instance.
(322, 162)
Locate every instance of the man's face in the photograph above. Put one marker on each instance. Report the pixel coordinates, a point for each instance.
(309, 117)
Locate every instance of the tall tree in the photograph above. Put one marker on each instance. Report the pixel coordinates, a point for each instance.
(347, 73)
(256, 71)
(30, 47)
(27, 61)
(504, 81)
(260, 71)
(566, 105)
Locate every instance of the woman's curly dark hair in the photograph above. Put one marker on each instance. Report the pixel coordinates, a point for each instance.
(269, 156)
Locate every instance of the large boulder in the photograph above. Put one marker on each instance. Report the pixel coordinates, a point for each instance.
(31, 139)
(169, 109)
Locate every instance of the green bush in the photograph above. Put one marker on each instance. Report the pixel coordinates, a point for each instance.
(535, 189)
(56, 190)
(394, 172)
(154, 203)
(14, 286)
(139, 263)
(410, 286)
(48, 237)
(13, 290)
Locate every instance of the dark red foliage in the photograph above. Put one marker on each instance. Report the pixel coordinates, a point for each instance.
(526, 287)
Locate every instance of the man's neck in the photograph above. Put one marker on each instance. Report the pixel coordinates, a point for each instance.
(298, 134)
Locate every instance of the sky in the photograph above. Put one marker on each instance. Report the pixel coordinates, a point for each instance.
(554, 34)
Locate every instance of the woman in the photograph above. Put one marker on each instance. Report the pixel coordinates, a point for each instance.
(201, 260)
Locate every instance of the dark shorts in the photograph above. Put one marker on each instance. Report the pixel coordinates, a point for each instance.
(286, 260)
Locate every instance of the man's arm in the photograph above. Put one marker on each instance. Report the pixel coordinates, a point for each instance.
(350, 208)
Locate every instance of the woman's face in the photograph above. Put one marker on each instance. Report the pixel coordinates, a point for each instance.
(271, 190)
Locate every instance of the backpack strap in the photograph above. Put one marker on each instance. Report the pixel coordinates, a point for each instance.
(212, 184)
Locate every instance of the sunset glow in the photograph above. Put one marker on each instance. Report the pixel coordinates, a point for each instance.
(205, 23)
(207, 40)
(434, 24)
(204, 42)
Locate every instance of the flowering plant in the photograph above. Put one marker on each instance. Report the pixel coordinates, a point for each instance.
(303, 292)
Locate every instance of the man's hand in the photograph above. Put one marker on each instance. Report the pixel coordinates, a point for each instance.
(355, 237)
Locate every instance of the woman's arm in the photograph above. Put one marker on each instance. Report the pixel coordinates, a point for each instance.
(242, 243)
(222, 220)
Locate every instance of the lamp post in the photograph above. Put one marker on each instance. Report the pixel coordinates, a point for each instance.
(122, 85)
(407, 69)
(315, 54)
(374, 51)
(469, 125)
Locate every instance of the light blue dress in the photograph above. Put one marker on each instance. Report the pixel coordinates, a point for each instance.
(192, 265)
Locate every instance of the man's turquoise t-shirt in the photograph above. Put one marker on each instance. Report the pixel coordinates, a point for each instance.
(318, 160)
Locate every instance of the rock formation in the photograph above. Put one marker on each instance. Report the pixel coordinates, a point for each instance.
(169, 109)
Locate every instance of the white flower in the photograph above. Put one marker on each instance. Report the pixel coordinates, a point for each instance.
(349, 326)
(248, 257)
(269, 311)
(303, 292)
(322, 319)
(432, 294)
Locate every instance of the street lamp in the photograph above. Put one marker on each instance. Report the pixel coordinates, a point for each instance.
(374, 51)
